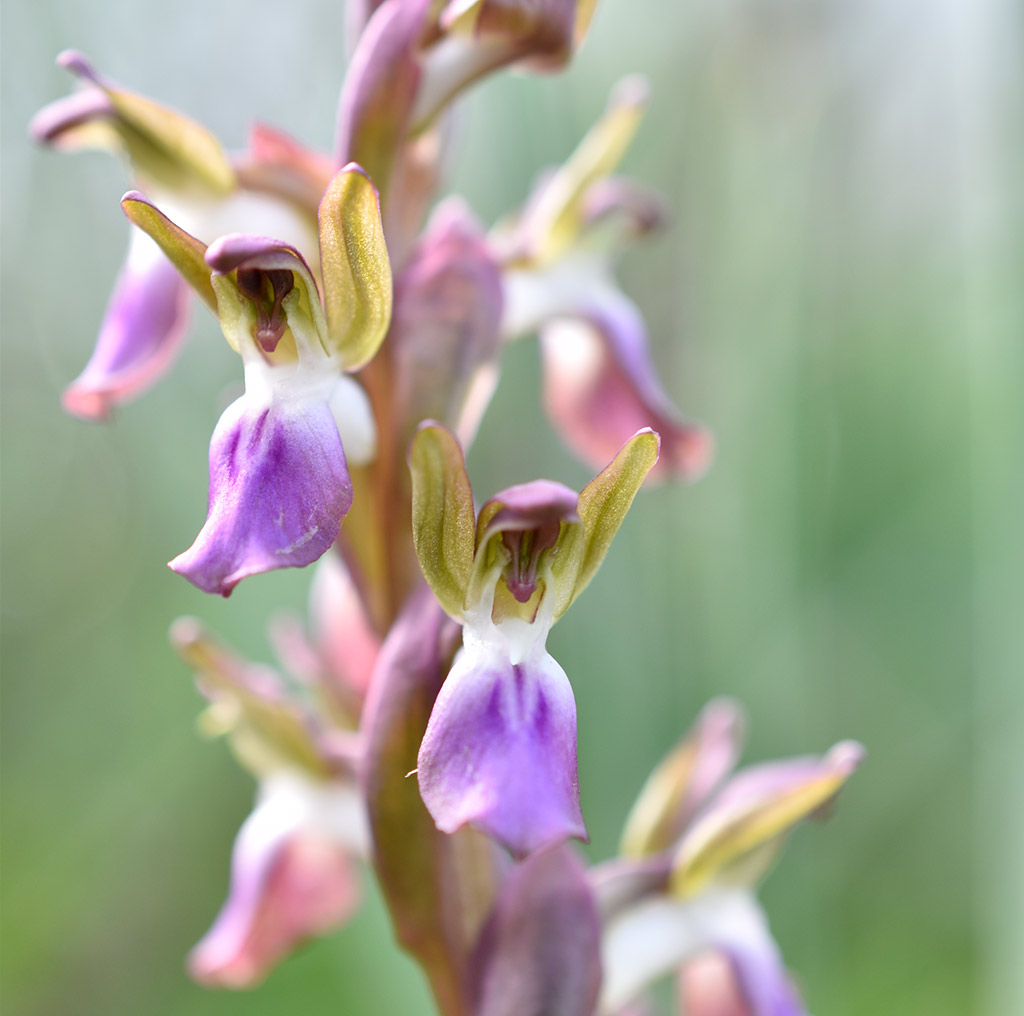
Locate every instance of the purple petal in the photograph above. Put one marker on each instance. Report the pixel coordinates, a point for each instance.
(539, 952)
(763, 980)
(600, 387)
(500, 750)
(279, 489)
(289, 881)
(140, 336)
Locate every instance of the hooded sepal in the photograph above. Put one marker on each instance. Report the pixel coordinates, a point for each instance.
(499, 751)
(292, 878)
(279, 483)
(539, 952)
(141, 333)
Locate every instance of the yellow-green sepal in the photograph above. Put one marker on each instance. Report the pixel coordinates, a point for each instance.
(267, 730)
(162, 144)
(556, 222)
(443, 518)
(736, 841)
(355, 267)
(183, 250)
(602, 506)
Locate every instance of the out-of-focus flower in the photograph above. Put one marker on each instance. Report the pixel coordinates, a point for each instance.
(540, 949)
(500, 748)
(600, 384)
(279, 482)
(413, 57)
(694, 850)
(183, 168)
(445, 335)
(293, 874)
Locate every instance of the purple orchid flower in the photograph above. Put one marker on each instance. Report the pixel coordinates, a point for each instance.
(294, 863)
(695, 846)
(600, 383)
(500, 747)
(279, 481)
(184, 169)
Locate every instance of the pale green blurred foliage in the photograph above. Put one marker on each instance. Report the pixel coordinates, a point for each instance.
(838, 297)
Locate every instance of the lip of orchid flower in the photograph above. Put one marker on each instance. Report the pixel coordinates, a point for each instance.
(292, 878)
(279, 481)
(142, 331)
(499, 750)
(674, 900)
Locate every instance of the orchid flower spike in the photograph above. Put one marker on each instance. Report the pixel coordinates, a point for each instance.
(695, 847)
(279, 481)
(293, 867)
(500, 747)
(600, 383)
(184, 169)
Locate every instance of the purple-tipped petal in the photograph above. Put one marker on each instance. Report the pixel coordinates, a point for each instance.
(53, 121)
(600, 387)
(291, 878)
(539, 952)
(279, 489)
(141, 333)
(500, 750)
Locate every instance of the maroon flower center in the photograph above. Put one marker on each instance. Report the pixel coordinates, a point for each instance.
(267, 290)
(526, 547)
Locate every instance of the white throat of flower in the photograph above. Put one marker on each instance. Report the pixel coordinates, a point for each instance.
(518, 639)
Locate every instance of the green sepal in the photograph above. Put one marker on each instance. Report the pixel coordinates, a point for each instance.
(163, 145)
(443, 519)
(355, 267)
(268, 730)
(183, 250)
(602, 506)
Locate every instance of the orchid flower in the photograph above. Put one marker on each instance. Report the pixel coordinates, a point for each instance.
(279, 481)
(293, 870)
(695, 846)
(183, 168)
(600, 384)
(412, 60)
(500, 747)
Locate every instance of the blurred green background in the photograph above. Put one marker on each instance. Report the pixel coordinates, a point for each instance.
(839, 296)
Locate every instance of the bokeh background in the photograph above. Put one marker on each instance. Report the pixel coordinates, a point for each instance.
(839, 296)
